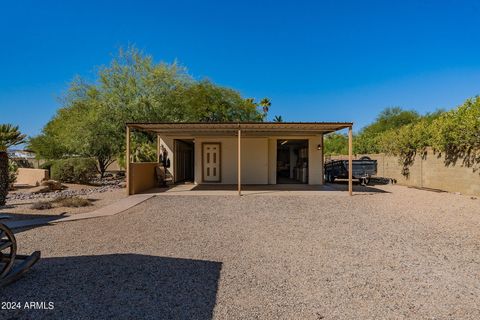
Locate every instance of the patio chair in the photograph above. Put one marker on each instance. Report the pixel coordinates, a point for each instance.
(13, 265)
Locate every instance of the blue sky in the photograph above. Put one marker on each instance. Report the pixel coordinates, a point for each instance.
(315, 60)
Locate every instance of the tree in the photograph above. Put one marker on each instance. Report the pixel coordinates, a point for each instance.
(278, 119)
(367, 141)
(265, 104)
(208, 102)
(9, 136)
(335, 144)
(132, 88)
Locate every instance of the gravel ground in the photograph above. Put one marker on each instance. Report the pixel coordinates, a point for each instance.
(399, 254)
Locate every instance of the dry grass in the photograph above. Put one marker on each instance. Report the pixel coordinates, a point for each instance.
(42, 205)
(69, 202)
(72, 202)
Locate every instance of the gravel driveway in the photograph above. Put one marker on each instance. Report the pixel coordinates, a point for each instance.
(399, 254)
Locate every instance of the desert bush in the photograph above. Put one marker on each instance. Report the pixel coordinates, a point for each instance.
(42, 205)
(74, 170)
(53, 185)
(72, 202)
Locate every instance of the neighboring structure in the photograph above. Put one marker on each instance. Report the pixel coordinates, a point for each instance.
(24, 158)
(31, 177)
(21, 154)
(236, 153)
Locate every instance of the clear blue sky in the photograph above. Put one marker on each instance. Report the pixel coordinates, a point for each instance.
(316, 60)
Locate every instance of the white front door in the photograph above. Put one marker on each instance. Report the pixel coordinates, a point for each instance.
(211, 162)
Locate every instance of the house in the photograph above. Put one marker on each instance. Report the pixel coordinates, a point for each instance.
(260, 153)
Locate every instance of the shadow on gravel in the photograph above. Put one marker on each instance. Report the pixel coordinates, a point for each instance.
(118, 286)
(342, 185)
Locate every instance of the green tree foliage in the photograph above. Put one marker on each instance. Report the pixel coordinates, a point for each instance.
(335, 144)
(278, 119)
(367, 141)
(454, 134)
(74, 170)
(265, 104)
(12, 172)
(457, 133)
(91, 121)
(10, 136)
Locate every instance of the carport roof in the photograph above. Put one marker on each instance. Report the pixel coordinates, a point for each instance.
(231, 128)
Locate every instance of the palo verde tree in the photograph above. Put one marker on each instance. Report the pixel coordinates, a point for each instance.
(133, 88)
(9, 136)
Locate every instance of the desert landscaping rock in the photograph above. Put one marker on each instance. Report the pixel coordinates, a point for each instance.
(398, 254)
(41, 192)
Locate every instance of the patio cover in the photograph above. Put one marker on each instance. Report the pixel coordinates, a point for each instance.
(247, 128)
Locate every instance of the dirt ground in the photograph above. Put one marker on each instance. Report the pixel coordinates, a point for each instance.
(391, 253)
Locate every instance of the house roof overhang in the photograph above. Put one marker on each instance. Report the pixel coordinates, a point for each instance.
(249, 128)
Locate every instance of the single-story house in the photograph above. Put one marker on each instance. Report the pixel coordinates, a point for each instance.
(259, 153)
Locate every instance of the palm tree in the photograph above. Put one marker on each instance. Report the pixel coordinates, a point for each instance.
(265, 103)
(9, 136)
(278, 119)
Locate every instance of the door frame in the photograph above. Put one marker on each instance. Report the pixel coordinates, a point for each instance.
(175, 167)
(219, 162)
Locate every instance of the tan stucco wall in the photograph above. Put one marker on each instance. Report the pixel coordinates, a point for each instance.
(142, 176)
(315, 160)
(168, 143)
(272, 161)
(31, 177)
(429, 172)
(254, 159)
(259, 158)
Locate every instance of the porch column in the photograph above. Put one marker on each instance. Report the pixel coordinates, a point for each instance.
(239, 162)
(127, 160)
(350, 159)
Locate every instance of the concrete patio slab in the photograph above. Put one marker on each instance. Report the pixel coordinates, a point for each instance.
(249, 190)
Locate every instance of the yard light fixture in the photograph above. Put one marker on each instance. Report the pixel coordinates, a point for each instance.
(319, 147)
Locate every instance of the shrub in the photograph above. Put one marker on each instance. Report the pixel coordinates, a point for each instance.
(42, 205)
(12, 173)
(74, 170)
(72, 202)
(53, 185)
(46, 165)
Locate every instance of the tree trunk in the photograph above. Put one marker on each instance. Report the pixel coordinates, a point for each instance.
(102, 166)
(4, 181)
